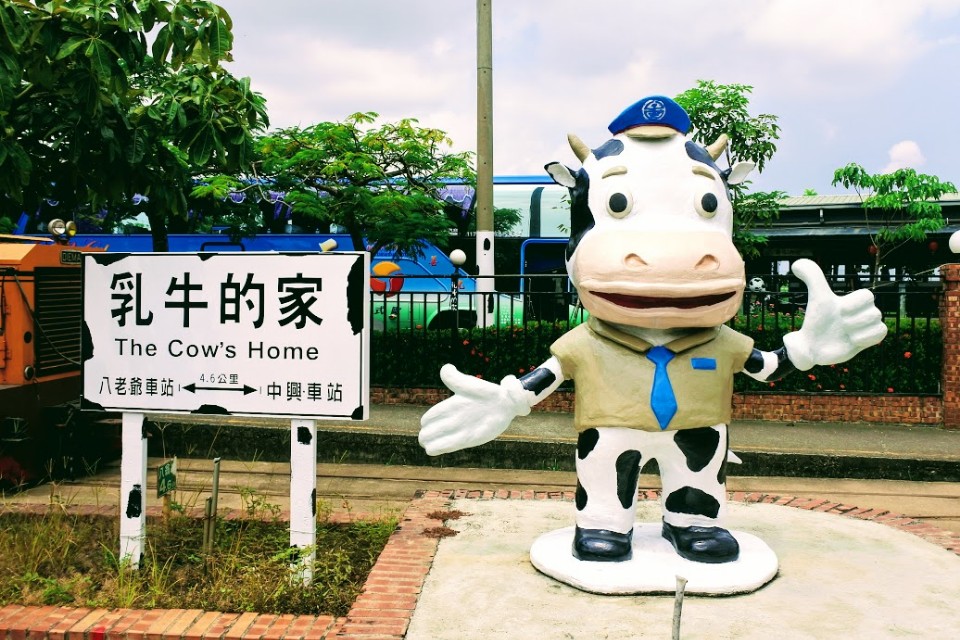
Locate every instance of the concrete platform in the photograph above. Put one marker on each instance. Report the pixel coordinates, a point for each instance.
(840, 577)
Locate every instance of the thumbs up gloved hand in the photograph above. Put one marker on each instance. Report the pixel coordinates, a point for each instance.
(835, 328)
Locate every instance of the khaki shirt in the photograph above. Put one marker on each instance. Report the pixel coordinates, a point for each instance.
(614, 378)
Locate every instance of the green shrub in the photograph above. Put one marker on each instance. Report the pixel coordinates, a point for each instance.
(907, 361)
(413, 359)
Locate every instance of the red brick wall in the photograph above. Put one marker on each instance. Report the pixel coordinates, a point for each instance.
(838, 408)
(950, 325)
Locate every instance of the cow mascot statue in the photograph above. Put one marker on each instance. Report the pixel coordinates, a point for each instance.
(652, 258)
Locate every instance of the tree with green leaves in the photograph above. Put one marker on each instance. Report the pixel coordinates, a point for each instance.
(899, 207)
(723, 109)
(380, 183)
(91, 115)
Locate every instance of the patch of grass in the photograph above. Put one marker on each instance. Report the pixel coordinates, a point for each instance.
(64, 559)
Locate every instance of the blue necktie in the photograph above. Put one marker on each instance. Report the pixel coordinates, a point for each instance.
(662, 400)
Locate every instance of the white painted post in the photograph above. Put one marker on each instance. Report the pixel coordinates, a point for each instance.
(133, 488)
(303, 496)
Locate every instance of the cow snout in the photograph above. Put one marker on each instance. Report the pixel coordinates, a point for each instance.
(708, 262)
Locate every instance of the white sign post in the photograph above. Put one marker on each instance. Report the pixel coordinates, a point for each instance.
(133, 487)
(303, 496)
(256, 334)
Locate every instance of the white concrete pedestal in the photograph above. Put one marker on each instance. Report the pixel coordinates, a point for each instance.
(655, 566)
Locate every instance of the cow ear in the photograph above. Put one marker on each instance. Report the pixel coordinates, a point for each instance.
(561, 175)
(739, 172)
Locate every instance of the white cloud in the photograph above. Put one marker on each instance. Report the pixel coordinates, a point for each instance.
(836, 72)
(903, 155)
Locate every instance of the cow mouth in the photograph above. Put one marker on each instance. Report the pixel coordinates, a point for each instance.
(657, 302)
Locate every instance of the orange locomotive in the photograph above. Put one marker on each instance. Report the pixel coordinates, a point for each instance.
(42, 432)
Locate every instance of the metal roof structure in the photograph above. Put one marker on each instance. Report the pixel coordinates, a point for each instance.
(840, 215)
(846, 200)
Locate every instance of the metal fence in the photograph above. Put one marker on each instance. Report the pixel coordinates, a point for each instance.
(511, 328)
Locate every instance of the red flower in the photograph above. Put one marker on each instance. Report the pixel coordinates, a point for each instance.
(466, 342)
(843, 386)
(773, 384)
(522, 370)
(811, 376)
(889, 389)
(907, 355)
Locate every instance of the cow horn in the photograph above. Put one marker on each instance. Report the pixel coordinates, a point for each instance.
(716, 149)
(580, 149)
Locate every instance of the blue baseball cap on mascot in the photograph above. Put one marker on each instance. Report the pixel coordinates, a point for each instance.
(658, 111)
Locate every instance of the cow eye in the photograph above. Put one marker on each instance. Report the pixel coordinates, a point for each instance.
(707, 205)
(619, 204)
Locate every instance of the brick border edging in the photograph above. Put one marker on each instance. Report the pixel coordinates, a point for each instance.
(385, 606)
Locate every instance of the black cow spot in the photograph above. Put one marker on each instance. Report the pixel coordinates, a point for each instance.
(581, 218)
(722, 472)
(698, 446)
(134, 502)
(784, 366)
(608, 148)
(586, 441)
(693, 501)
(303, 435)
(755, 362)
(699, 154)
(581, 497)
(628, 472)
(538, 380)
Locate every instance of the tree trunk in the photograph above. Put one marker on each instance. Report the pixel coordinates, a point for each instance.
(356, 237)
(158, 230)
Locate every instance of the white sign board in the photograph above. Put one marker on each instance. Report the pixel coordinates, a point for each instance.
(263, 334)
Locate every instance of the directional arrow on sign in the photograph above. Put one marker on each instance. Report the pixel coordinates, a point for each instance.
(193, 388)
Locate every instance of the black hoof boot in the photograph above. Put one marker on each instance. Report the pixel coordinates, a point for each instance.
(600, 545)
(703, 544)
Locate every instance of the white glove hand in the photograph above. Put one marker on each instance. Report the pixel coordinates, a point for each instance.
(835, 328)
(477, 412)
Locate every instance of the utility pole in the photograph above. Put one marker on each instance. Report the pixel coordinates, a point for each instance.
(484, 153)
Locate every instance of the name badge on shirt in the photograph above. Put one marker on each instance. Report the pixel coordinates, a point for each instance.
(704, 364)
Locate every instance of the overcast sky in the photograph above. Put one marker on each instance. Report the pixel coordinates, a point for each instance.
(875, 82)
